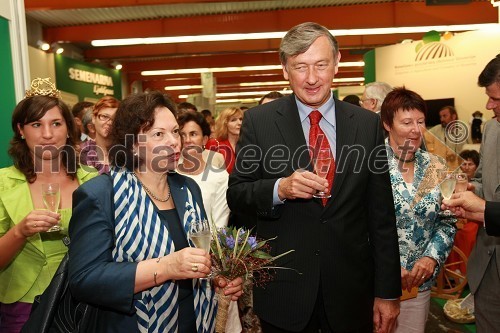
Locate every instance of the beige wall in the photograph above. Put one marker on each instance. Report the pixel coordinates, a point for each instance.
(41, 64)
(448, 77)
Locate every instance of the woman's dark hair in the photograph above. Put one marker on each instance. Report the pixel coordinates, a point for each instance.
(33, 109)
(136, 113)
(400, 98)
(353, 99)
(470, 154)
(271, 95)
(198, 118)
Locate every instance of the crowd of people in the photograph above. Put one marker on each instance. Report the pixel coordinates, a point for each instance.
(134, 174)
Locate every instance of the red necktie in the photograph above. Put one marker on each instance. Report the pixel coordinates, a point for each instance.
(318, 140)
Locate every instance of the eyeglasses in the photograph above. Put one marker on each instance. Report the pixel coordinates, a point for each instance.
(104, 118)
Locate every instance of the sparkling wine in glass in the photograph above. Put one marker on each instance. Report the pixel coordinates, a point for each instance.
(462, 181)
(200, 235)
(51, 195)
(322, 161)
(447, 186)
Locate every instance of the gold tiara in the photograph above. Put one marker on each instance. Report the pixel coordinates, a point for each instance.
(43, 87)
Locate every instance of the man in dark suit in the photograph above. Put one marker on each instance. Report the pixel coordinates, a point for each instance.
(483, 269)
(346, 270)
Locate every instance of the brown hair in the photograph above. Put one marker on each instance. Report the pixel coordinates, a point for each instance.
(197, 118)
(32, 109)
(471, 154)
(136, 113)
(400, 98)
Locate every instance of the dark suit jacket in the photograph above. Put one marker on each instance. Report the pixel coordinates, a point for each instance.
(350, 246)
(94, 276)
(492, 218)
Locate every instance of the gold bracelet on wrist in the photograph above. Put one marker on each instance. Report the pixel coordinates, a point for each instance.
(155, 274)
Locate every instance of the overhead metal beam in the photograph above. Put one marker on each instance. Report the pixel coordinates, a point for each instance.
(83, 4)
(380, 15)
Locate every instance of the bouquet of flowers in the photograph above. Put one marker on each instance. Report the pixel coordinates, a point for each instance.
(235, 253)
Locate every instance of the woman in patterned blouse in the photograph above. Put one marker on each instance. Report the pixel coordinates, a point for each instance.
(425, 240)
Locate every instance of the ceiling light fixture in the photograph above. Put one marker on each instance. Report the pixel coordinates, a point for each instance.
(183, 87)
(56, 48)
(233, 69)
(277, 35)
(262, 84)
(244, 93)
(258, 84)
(43, 45)
(116, 65)
(237, 101)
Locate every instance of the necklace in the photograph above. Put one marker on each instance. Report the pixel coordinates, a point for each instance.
(399, 158)
(148, 191)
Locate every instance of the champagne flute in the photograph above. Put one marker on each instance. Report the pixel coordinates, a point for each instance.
(447, 186)
(462, 181)
(322, 160)
(51, 195)
(461, 186)
(200, 235)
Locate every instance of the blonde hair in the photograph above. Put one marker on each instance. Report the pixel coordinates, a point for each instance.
(221, 131)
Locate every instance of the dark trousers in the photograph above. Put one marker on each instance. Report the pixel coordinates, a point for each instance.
(317, 324)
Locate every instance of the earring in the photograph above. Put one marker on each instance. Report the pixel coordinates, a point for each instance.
(22, 137)
(67, 136)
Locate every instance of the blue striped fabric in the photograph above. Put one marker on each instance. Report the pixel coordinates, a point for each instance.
(140, 235)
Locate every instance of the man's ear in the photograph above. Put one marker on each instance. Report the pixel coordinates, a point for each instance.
(285, 72)
(337, 60)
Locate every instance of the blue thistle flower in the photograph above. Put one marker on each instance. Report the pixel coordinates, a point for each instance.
(230, 242)
(252, 241)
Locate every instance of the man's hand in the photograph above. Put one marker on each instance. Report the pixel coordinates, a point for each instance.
(301, 184)
(385, 313)
(466, 205)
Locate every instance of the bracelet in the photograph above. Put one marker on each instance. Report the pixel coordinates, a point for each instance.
(155, 274)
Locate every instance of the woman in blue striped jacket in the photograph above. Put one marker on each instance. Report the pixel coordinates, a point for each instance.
(129, 253)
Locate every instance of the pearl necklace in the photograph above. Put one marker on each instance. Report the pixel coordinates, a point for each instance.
(148, 191)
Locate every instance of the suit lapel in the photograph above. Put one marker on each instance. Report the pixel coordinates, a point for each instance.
(346, 129)
(290, 128)
(179, 195)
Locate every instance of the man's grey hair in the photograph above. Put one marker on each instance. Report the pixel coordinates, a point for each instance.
(299, 38)
(378, 91)
(86, 119)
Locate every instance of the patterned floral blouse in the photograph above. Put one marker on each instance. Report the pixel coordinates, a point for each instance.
(421, 231)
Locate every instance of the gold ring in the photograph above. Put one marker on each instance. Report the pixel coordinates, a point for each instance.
(423, 276)
(194, 268)
(34, 225)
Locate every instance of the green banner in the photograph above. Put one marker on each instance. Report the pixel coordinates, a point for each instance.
(86, 81)
(369, 59)
(7, 93)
